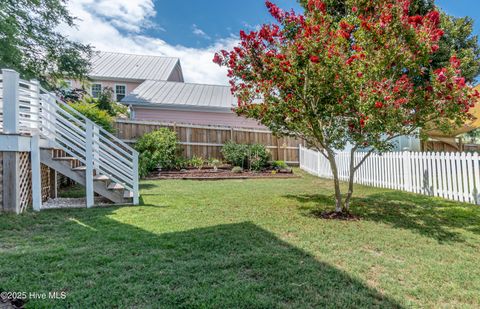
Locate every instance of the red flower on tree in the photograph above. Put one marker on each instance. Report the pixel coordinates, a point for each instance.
(314, 59)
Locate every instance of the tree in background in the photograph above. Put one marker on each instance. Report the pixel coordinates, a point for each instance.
(30, 44)
(361, 78)
(458, 38)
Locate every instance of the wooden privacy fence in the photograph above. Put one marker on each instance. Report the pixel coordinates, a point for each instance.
(207, 141)
(453, 176)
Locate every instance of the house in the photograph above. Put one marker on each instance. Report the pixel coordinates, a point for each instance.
(154, 89)
(199, 104)
(125, 72)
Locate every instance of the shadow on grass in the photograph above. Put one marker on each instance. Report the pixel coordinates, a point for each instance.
(146, 186)
(432, 217)
(101, 262)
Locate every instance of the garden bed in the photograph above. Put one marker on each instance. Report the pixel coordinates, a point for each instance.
(221, 173)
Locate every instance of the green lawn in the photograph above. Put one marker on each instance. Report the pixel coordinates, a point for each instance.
(247, 244)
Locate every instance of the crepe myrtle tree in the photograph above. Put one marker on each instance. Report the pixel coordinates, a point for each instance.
(362, 79)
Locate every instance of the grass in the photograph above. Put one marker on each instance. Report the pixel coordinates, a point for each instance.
(247, 244)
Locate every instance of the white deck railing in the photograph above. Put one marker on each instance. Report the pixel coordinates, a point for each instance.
(454, 176)
(27, 108)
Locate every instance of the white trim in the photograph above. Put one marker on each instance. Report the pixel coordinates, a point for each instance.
(15, 143)
(181, 107)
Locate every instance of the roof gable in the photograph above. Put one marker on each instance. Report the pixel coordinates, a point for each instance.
(118, 66)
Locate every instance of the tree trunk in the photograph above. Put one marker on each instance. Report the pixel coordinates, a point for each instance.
(336, 182)
(350, 180)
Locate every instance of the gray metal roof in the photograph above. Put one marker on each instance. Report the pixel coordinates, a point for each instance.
(174, 94)
(118, 66)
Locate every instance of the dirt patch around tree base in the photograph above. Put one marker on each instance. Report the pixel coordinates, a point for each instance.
(332, 215)
(220, 174)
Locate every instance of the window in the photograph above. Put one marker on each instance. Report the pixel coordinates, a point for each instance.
(120, 92)
(96, 90)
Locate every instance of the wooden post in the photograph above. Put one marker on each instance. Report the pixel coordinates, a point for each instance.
(136, 193)
(36, 173)
(11, 125)
(96, 148)
(89, 163)
(11, 106)
(278, 148)
(53, 183)
(11, 182)
(189, 147)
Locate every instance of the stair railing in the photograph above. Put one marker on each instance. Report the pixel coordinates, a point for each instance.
(41, 112)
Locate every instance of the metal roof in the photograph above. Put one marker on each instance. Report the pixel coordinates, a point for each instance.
(108, 65)
(181, 95)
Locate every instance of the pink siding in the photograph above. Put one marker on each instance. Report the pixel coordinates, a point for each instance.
(106, 83)
(194, 117)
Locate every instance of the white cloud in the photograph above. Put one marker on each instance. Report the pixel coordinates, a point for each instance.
(115, 25)
(199, 32)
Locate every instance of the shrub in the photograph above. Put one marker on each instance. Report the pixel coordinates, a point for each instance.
(254, 156)
(237, 169)
(180, 163)
(215, 163)
(197, 162)
(92, 112)
(157, 149)
(258, 157)
(235, 154)
(279, 165)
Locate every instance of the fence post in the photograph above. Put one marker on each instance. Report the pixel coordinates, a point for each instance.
(407, 171)
(11, 102)
(300, 155)
(89, 163)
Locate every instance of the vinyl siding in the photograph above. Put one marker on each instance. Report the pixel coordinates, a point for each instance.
(195, 117)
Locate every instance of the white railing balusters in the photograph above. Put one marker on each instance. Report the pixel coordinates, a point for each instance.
(37, 111)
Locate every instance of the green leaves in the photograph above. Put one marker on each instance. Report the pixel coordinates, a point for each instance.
(157, 149)
(30, 44)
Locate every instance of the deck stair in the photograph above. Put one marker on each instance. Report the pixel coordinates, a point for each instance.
(71, 144)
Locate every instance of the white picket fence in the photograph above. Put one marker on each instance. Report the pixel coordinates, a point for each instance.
(454, 176)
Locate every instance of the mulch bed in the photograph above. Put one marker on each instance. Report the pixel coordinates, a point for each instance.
(220, 174)
(332, 215)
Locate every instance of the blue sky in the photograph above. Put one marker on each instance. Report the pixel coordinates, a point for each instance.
(460, 8)
(191, 30)
(197, 23)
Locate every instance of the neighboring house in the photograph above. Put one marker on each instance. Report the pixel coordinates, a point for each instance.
(125, 72)
(154, 89)
(199, 104)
